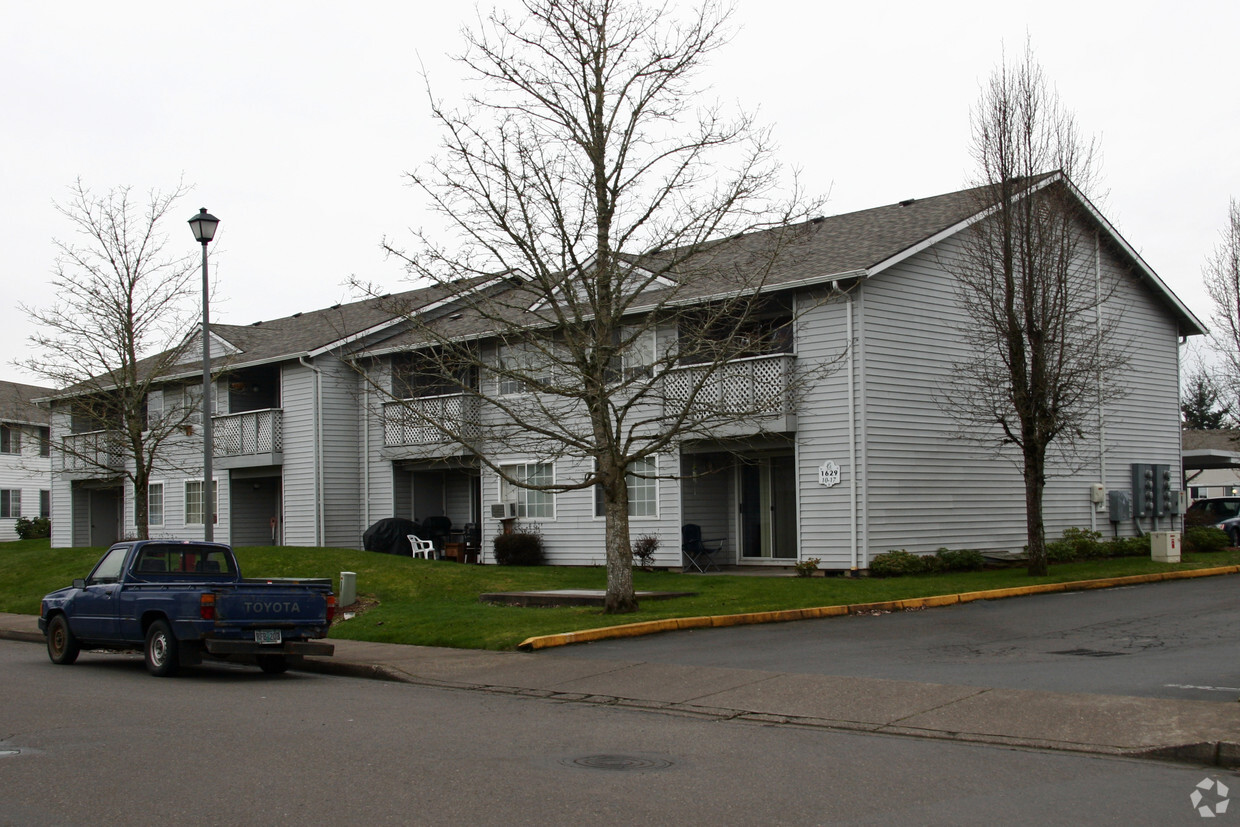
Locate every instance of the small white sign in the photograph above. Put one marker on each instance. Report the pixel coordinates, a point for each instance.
(828, 474)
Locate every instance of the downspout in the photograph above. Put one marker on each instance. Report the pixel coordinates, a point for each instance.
(852, 426)
(318, 448)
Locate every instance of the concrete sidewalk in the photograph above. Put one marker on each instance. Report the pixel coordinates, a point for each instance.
(1202, 732)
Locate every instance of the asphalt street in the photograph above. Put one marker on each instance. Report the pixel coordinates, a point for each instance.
(103, 742)
(1177, 640)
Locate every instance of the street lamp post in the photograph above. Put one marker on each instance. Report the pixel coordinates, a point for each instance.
(203, 226)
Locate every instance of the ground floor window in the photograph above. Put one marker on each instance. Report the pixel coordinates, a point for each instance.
(45, 503)
(155, 503)
(10, 503)
(643, 490)
(193, 502)
(530, 502)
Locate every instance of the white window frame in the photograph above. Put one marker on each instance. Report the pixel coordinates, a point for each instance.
(10, 503)
(14, 440)
(163, 504)
(649, 481)
(215, 488)
(639, 357)
(529, 500)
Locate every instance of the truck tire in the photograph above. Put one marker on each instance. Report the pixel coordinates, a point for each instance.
(162, 656)
(62, 646)
(272, 664)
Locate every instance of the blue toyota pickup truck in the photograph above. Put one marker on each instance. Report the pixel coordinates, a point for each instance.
(179, 601)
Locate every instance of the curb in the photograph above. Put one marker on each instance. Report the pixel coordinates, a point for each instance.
(25, 637)
(651, 627)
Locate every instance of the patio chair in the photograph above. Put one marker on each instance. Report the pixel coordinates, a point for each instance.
(422, 548)
(699, 554)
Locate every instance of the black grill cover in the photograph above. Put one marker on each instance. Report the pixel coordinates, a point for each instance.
(390, 535)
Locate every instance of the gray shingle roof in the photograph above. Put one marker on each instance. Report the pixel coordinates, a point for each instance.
(16, 403)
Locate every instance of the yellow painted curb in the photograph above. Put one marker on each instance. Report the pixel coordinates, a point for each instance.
(650, 627)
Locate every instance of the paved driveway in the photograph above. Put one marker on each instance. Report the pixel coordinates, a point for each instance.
(1167, 640)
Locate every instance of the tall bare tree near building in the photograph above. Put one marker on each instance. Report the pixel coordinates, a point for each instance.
(1042, 349)
(584, 170)
(1222, 279)
(123, 306)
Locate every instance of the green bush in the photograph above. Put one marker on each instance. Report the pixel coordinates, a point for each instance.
(1128, 547)
(963, 559)
(807, 567)
(523, 547)
(1205, 538)
(38, 528)
(897, 563)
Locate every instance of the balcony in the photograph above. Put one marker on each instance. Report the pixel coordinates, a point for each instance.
(746, 396)
(407, 424)
(249, 439)
(92, 455)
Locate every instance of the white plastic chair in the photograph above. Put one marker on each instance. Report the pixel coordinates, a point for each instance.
(421, 548)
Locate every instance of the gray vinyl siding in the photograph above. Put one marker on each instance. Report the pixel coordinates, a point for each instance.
(379, 478)
(297, 392)
(341, 456)
(926, 489)
(823, 353)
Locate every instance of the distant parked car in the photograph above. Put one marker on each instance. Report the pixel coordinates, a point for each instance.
(1220, 512)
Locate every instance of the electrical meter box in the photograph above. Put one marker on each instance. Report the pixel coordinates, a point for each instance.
(1119, 505)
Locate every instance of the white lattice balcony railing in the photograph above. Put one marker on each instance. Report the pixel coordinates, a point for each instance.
(249, 432)
(409, 421)
(92, 451)
(756, 386)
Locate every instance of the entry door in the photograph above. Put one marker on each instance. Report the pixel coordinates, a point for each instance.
(768, 511)
(105, 508)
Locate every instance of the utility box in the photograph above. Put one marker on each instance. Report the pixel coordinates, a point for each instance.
(1119, 505)
(1165, 546)
(348, 588)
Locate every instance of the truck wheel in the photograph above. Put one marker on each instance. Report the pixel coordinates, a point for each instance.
(162, 657)
(62, 646)
(272, 664)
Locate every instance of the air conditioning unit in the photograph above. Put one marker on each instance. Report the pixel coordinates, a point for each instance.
(503, 511)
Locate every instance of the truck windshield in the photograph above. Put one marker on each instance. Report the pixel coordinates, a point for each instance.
(159, 559)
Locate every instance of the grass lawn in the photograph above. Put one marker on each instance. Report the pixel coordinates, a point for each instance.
(435, 603)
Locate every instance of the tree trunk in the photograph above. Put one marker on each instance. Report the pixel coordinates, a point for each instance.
(1035, 485)
(620, 598)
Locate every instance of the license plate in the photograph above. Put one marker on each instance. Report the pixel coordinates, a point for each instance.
(267, 636)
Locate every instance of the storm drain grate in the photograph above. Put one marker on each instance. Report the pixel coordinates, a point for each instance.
(617, 763)
(1090, 653)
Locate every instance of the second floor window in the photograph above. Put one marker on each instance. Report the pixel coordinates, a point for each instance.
(10, 439)
(530, 503)
(44, 435)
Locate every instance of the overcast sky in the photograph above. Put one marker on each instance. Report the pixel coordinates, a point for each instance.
(294, 122)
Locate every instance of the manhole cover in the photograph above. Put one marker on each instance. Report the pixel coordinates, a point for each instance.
(617, 763)
(1089, 653)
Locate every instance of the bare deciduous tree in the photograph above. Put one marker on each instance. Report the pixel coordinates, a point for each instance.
(584, 173)
(1042, 349)
(120, 297)
(1222, 279)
